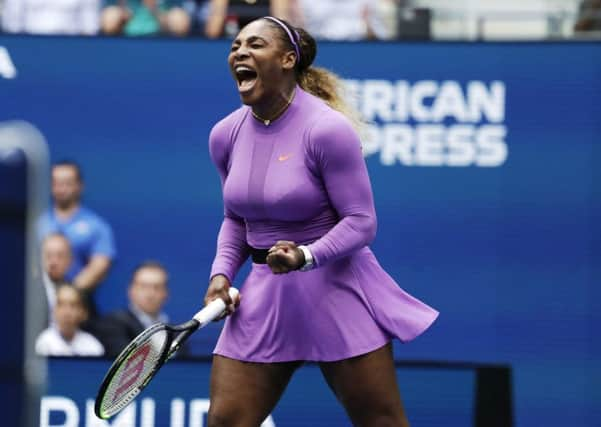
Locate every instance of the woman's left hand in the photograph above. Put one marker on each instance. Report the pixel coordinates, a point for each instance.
(284, 257)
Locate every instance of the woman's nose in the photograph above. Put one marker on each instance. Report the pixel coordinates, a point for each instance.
(241, 52)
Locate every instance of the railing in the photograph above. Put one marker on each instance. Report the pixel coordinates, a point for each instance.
(474, 20)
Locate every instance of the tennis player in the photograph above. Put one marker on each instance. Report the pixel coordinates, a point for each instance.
(298, 200)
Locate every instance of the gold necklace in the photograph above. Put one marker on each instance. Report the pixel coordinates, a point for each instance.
(267, 122)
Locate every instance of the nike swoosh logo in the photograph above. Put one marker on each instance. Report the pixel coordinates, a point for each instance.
(284, 157)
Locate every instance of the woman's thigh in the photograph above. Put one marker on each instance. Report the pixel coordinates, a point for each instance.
(366, 385)
(244, 393)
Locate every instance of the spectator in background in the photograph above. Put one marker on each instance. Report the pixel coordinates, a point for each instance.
(199, 12)
(147, 294)
(75, 17)
(56, 259)
(346, 19)
(64, 337)
(90, 236)
(226, 17)
(145, 18)
(589, 16)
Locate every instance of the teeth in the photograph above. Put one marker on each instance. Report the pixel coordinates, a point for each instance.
(241, 68)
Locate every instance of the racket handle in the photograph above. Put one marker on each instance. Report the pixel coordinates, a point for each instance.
(213, 309)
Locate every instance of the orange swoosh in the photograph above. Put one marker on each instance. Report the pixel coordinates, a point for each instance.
(284, 157)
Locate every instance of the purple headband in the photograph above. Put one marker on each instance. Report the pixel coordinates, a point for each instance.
(290, 36)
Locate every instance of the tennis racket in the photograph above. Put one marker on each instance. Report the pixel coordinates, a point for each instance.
(139, 362)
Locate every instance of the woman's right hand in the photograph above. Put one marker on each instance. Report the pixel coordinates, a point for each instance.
(219, 286)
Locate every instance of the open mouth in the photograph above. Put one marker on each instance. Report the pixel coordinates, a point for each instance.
(246, 77)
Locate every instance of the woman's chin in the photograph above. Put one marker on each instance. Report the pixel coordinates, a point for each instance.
(250, 94)
(249, 98)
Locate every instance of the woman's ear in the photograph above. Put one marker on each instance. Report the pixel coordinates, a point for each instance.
(289, 60)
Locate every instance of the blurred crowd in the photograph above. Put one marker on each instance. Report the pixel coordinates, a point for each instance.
(77, 251)
(325, 19)
(589, 16)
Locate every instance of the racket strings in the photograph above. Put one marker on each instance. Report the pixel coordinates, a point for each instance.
(133, 373)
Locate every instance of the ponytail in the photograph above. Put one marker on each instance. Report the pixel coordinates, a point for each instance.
(328, 86)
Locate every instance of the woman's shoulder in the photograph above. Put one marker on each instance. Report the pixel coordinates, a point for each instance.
(223, 131)
(331, 124)
(230, 120)
(330, 130)
(323, 118)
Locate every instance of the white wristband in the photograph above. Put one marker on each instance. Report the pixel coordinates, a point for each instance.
(308, 265)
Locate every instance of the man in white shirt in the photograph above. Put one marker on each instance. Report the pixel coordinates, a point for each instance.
(75, 17)
(64, 337)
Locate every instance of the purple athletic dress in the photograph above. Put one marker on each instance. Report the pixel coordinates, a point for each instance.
(303, 178)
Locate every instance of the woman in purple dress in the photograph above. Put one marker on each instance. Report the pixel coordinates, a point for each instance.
(298, 200)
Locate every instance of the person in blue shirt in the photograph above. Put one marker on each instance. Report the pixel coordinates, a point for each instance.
(145, 18)
(90, 236)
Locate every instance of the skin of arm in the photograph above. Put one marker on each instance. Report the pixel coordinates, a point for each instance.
(93, 273)
(218, 12)
(218, 288)
(280, 9)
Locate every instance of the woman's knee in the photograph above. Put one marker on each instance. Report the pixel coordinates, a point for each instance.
(220, 417)
(244, 393)
(232, 415)
(380, 416)
(367, 388)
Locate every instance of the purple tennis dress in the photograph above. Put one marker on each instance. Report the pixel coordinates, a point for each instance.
(303, 178)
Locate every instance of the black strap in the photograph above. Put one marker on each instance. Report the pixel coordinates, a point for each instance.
(259, 256)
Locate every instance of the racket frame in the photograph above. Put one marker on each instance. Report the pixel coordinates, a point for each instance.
(176, 336)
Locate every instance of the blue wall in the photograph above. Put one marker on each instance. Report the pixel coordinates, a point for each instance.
(482, 159)
(434, 397)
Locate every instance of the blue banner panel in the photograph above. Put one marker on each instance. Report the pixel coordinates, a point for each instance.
(178, 397)
(482, 159)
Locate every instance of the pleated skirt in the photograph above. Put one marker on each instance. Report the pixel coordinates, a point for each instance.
(346, 308)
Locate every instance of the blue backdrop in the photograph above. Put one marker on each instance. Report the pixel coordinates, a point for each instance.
(482, 158)
(178, 397)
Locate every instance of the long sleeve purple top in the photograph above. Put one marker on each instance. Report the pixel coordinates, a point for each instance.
(302, 178)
